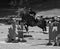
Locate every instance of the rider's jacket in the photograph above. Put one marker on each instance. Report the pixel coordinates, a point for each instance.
(32, 13)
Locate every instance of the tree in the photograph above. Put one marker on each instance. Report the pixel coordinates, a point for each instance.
(21, 2)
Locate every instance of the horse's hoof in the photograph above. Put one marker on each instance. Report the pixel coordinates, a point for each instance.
(44, 32)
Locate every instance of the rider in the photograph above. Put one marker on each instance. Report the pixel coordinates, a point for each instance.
(31, 12)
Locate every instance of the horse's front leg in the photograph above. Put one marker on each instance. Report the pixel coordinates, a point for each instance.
(26, 27)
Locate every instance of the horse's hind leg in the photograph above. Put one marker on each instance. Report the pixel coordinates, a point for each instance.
(44, 29)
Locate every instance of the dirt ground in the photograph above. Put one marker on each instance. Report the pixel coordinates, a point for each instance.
(37, 41)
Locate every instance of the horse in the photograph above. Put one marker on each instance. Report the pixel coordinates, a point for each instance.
(31, 21)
